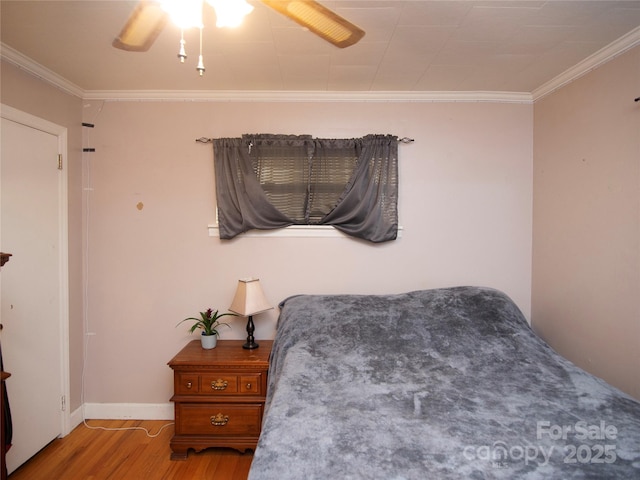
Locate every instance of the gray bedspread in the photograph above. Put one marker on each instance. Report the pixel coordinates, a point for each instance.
(447, 383)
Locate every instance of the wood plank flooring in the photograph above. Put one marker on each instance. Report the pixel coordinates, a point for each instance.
(87, 454)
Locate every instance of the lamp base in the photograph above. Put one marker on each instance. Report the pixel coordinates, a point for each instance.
(250, 345)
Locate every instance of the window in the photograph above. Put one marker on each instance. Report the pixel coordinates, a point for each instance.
(273, 181)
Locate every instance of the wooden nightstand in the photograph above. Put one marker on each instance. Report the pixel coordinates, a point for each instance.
(219, 396)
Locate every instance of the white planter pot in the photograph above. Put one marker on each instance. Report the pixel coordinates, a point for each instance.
(208, 341)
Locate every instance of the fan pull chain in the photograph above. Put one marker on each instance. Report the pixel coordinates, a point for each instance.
(182, 55)
(200, 66)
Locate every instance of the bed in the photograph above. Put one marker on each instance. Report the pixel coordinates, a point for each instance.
(443, 383)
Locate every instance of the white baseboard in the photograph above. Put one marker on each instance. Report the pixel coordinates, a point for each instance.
(75, 418)
(127, 411)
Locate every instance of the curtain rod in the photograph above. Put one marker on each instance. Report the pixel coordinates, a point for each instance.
(210, 140)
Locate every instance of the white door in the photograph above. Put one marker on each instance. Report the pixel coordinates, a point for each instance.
(32, 293)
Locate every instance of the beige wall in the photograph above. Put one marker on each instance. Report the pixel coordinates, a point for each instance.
(25, 92)
(586, 222)
(465, 205)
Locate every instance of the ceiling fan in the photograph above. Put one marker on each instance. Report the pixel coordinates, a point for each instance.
(148, 19)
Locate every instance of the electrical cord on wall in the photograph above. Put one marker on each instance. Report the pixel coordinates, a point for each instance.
(87, 189)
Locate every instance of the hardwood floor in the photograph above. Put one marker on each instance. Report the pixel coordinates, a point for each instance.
(87, 454)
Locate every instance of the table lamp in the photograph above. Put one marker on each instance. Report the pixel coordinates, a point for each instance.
(248, 301)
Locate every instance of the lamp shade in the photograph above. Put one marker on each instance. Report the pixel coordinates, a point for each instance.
(249, 298)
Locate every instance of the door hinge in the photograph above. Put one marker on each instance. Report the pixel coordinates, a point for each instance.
(63, 403)
(59, 161)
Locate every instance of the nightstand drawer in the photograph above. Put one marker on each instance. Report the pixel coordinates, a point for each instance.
(219, 419)
(218, 383)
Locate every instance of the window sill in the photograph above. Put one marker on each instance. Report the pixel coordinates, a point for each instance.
(299, 231)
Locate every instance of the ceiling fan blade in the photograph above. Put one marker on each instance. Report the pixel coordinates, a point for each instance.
(320, 20)
(142, 28)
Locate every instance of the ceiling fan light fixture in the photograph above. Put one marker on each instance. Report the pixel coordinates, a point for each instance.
(184, 13)
(149, 18)
(230, 13)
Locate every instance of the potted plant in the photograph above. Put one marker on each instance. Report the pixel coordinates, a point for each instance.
(209, 322)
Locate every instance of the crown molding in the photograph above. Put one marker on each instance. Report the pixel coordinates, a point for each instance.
(602, 56)
(23, 62)
(257, 96)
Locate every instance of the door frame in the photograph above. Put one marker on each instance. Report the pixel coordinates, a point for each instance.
(28, 120)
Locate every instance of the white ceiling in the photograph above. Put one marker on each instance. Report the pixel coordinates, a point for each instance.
(409, 46)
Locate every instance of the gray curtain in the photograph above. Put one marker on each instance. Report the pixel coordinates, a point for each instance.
(273, 181)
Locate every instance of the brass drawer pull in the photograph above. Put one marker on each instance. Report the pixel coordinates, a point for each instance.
(219, 420)
(219, 384)
(248, 386)
(189, 385)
